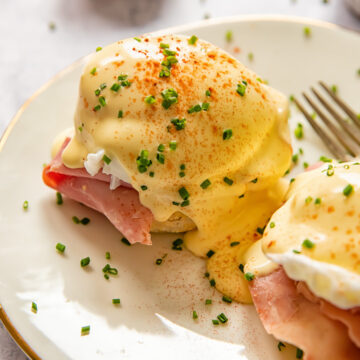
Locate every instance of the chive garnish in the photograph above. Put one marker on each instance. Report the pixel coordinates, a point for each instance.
(116, 301)
(308, 244)
(192, 40)
(93, 71)
(125, 241)
(160, 158)
(325, 159)
(25, 205)
(182, 167)
(85, 262)
(98, 48)
(317, 201)
(59, 199)
(299, 353)
(85, 330)
(280, 345)
(272, 225)
(179, 123)
(205, 184)
(207, 274)
(207, 92)
(168, 52)
(298, 132)
(161, 148)
(176, 245)
(307, 31)
(97, 108)
(250, 56)
(143, 162)
(181, 173)
(183, 193)
(227, 299)
(97, 92)
(212, 282)
(150, 100)
(84, 221)
(229, 36)
(208, 302)
(34, 307)
(102, 86)
(305, 165)
(143, 187)
(260, 230)
(308, 200)
(222, 318)
(158, 261)
(151, 174)
(234, 243)
(210, 253)
(60, 247)
(241, 88)
(295, 158)
(227, 134)
(195, 108)
(106, 159)
(173, 145)
(194, 315)
(241, 267)
(296, 251)
(106, 276)
(137, 39)
(107, 255)
(215, 322)
(164, 46)
(249, 276)
(348, 189)
(115, 87)
(185, 203)
(254, 181)
(170, 96)
(228, 181)
(120, 114)
(102, 101)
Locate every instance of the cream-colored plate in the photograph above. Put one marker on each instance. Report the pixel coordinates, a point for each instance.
(154, 320)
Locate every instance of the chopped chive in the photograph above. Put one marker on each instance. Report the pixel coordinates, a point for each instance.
(307, 31)
(85, 330)
(113, 271)
(212, 282)
(176, 245)
(102, 101)
(205, 184)
(185, 203)
(25, 205)
(84, 221)
(115, 87)
(215, 322)
(334, 89)
(308, 200)
(182, 167)
(97, 108)
(59, 199)
(106, 276)
(308, 244)
(260, 230)
(170, 96)
(295, 158)
(325, 159)
(137, 39)
(229, 36)
(272, 225)
(208, 302)
(143, 162)
(280, 345)
(241, 267)
(181, 173)
(250, 56)
(125, 83)
(168, 52)
(158, 261)
(228, 181)
(305, 165)
(241, 88)
(193, 40)
(122, 77)
(210, 253)
(125, 241)
(93, 71)
(164, 46)
(143, 187)
(106, 268)
(207, 92)
(299, 353)
(107, 255)
(97, 92)
(222, 318)
(195, 108)
(80, 128)
(34, 307)
(317, 201)
(292, 180)
(106, 159)
(116, 301)
(173, 145)
(249, 276)
(301, 151)
(205, 106)
(227, 299)
(207, 274)
(164, 72)
(234, 243)
(161, 148)
(85, 262)
(194, 315)
(348, 189)
(175, 203)
(151, 174)
(150, 100)
(160, 158)
(102, 86)
(60, 247)
(75, 220)
(183, 193)
(98, 48)
(241, 196)
(296, 251)
(179, 123)
(120, 114)
(227, 134)
(298, 132)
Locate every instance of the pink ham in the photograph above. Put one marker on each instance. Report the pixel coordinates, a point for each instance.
(350, 318)
(290, 317)
(121, 206)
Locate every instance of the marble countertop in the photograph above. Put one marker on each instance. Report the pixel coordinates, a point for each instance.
(40, 38)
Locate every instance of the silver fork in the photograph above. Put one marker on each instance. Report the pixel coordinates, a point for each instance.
(346, 132)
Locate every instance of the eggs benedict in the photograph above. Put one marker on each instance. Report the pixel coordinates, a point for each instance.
(307, 265)
(174, 134)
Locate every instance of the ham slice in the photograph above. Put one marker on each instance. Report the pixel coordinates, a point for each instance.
(121, 206)
(291, 317)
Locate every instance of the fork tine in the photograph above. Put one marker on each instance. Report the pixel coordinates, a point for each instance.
(351, 129)
(343, 138)
(335, 149)
(349, 111)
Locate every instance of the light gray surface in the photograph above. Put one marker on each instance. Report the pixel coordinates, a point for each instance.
(31, 53)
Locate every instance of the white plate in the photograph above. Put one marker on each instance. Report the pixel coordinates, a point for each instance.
(155, 318)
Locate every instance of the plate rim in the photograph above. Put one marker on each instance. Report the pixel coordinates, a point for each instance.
(4, 318)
